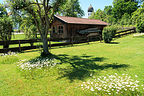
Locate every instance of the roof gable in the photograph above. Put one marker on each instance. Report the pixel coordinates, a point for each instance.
(74, 20)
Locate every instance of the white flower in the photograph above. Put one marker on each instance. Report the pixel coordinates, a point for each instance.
(92, 89)
(112, 83)
(109, 93)
(136, 76)
(91, 74)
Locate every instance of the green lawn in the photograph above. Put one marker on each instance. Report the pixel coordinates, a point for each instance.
(123, 55)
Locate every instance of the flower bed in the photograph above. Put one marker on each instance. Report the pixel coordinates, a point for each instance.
(114, 85)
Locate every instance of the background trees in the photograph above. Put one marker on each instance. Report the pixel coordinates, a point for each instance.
(123, 12)
(121, 7)
(71, 8)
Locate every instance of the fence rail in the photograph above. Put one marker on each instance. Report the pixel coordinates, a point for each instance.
(126, 32)
(20, 48)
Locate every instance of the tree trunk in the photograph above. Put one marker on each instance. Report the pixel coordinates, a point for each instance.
(45, 46)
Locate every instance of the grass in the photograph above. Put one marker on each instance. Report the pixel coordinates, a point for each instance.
(18, 37)
(123, 55)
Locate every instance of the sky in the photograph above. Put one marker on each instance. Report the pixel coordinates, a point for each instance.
(97, 4)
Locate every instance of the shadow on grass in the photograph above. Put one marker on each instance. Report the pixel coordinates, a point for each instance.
(82, 66)
(70, 45)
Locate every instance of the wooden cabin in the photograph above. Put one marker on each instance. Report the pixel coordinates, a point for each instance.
(67, 27)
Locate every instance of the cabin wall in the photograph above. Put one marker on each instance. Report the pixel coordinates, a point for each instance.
(73, 28)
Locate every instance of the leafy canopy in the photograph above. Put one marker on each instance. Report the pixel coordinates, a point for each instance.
(71, 8)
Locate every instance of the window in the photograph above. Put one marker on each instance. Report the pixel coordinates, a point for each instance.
(54, 30)
(60, 29)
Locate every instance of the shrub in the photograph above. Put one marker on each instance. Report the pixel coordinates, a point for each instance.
(140, 27)
(109, 33)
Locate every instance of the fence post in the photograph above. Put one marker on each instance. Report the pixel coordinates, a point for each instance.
(72, 40)
(19, 46)
(49, 43)
(31, 43)
(6, 46)
(134, 30)
(88, 39)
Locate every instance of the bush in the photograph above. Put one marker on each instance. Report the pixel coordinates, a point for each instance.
(109, 33)
(140, 27)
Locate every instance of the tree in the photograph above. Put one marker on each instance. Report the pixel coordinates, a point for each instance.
(126, 19)
(138, 16)
(120, 7)
(99, 14)
(71, 8)
(5, 27)
(108, 10)
(140, 26)
(108, 15)
(2, 10)
(42, 12)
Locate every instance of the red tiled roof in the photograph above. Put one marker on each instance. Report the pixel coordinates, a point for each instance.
(74, 20)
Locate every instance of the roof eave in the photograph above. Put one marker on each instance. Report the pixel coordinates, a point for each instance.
(89, 24)
(56, 17)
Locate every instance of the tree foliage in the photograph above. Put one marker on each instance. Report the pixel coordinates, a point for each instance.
(138, 16)
(5, 26)
(108, 10)
(2, 10)
(99, 14)
(123, 12)
(125, 20)
(121, 7)
(71, 8)
(140, 26)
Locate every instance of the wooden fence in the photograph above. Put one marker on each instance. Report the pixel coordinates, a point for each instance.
(126, 31)
(31, 42)
(72, 40)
